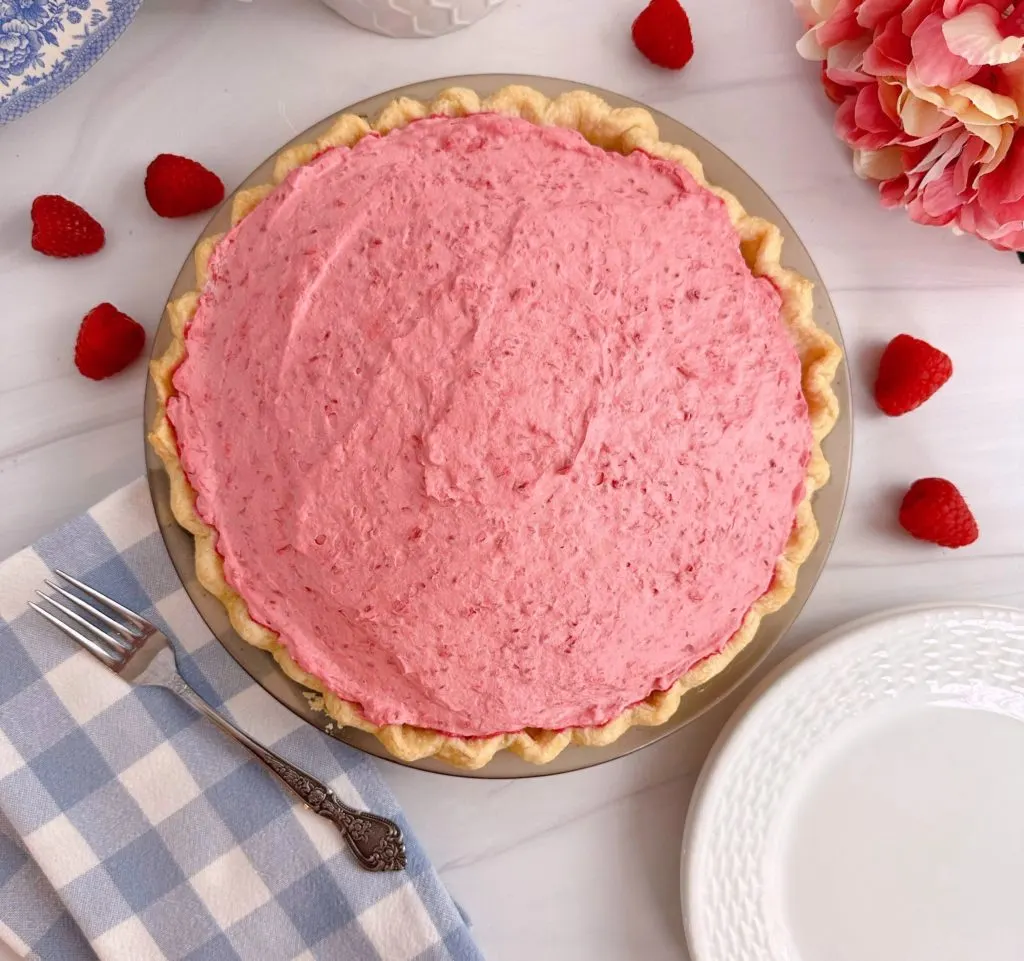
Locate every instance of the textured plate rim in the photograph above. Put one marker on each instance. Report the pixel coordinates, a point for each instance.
(830, 646)
(838, 446)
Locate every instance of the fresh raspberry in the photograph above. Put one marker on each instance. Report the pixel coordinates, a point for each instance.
(108, 341)
(178, 187)
(934, 510)
(909, 372)
(61, 228)
(662, 34)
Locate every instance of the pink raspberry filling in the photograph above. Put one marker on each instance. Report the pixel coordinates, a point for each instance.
(495, 427)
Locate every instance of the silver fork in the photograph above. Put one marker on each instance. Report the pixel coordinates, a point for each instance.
(135, 650)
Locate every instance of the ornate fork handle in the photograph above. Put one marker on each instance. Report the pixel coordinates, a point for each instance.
(375, 841)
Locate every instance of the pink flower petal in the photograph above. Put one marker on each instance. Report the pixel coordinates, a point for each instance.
(922, 119)
(861, 122)
(806, 11)
(931, 154)
(914, 14)
(953, 8)
(948, 156)
(933, 62)
(874, 12)
(969, 156)
(835, 92)
(1010, 215)
(974, 36)
(841, 26)
(1011, 83)
(995, 155)
(889, 53)
(893, 193)
(913, 157)
(890, 95)
(847, 129)
(869, 115)
(808, 47)
(917, 212)
(982, 105)
(844, 62)
(940, 199)
(884, 164)
(1000, 230)
(1010, 241)
(814, 11)
(974, 220)
(1014, 241)
(1005, 184)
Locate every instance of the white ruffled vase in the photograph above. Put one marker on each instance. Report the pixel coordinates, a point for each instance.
(412, 18)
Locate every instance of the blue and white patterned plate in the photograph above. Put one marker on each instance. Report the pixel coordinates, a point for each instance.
(46, 45)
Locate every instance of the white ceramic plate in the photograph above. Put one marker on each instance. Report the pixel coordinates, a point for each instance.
(866, 803)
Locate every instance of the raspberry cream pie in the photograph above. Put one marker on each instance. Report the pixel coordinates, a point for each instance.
(495, 423)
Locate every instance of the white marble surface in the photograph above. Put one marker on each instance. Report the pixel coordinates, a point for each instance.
(581, 866)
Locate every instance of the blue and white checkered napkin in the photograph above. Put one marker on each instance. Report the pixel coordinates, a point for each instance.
(131, 829)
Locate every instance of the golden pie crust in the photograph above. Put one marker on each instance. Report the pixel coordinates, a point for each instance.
(619, 129)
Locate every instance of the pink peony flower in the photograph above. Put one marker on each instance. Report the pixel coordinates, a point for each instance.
(930, 96)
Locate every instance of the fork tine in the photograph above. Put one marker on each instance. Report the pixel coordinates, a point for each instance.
(137, 619)
(118, 648)
(127, 634)
(87, 642)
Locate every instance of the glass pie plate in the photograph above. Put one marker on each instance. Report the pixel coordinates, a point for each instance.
(828, 503)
